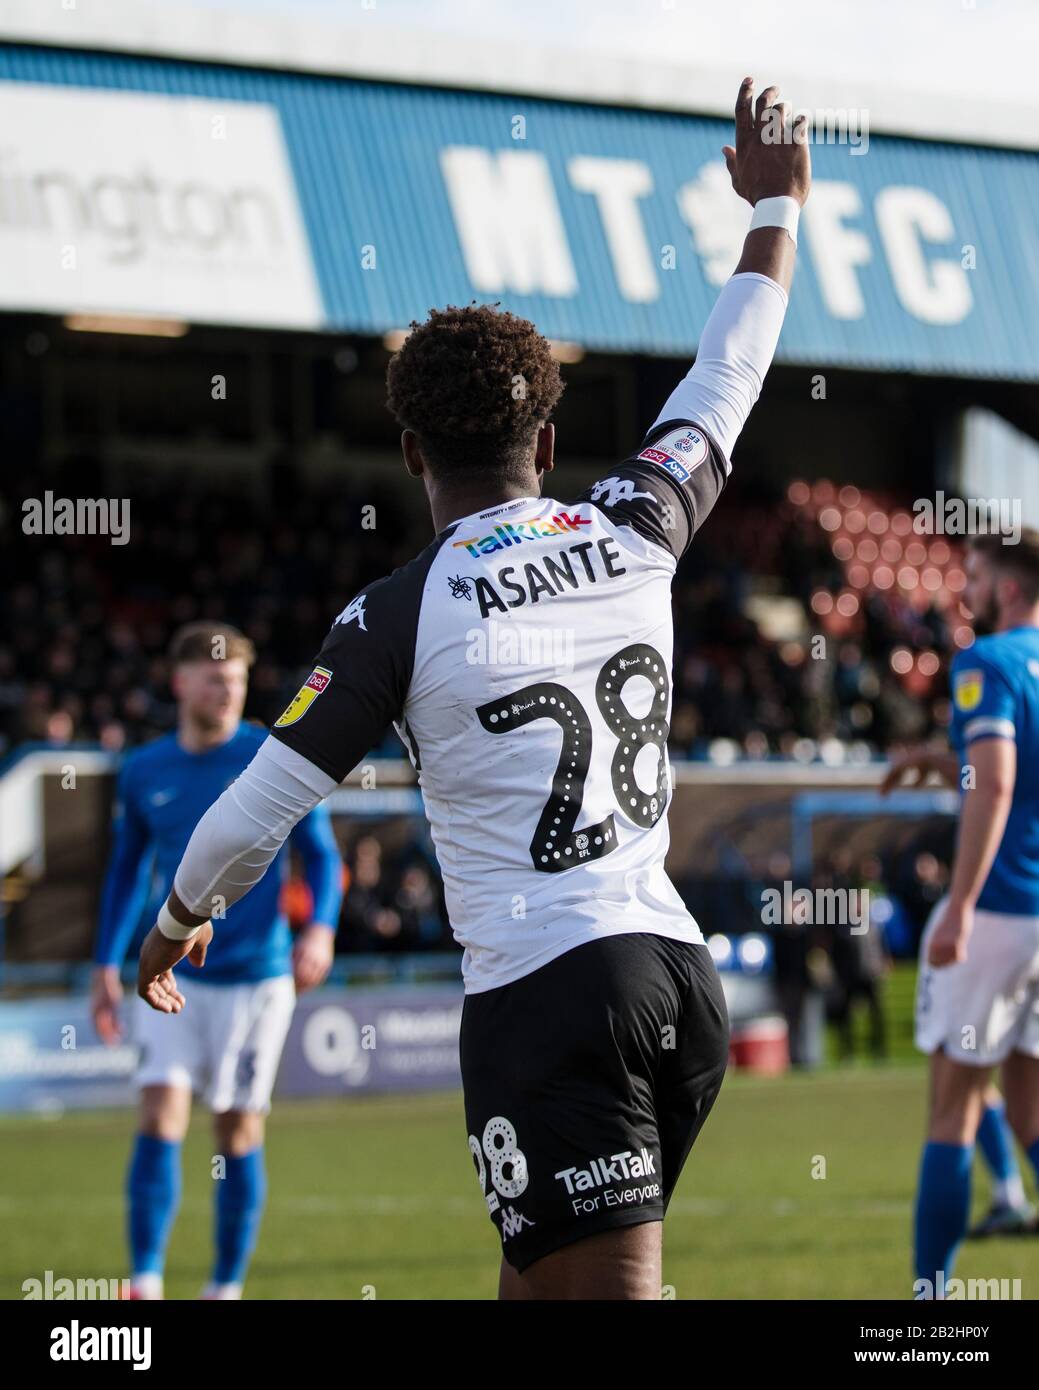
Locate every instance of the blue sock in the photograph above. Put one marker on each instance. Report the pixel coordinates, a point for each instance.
(240, 1196)
(996, 1144)
(942, 1207)
(153, 1189)
(1033, 1158)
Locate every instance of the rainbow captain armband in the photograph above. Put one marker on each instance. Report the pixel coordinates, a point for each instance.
(174, 930)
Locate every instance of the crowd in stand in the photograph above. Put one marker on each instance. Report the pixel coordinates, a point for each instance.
(857, 666)
(806, 627)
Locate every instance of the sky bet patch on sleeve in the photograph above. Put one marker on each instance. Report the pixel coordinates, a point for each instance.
(308, 692)
(967, 690)
(678, 453)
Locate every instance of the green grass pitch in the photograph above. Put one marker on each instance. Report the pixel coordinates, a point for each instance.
(377, 1198)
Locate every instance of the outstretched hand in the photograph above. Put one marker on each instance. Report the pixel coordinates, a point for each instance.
(770, 158)
(155, 982)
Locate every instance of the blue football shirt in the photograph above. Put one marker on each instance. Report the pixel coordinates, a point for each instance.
(995, 694)
(163, 792)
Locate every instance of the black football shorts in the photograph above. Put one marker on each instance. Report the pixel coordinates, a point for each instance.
(586, 1083)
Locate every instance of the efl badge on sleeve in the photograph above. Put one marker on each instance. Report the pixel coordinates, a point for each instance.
(968, 688)
(308, 692)
(679, 453)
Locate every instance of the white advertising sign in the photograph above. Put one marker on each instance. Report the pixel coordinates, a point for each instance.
(126, 202)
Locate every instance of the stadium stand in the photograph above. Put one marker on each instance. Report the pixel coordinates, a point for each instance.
(82, 644)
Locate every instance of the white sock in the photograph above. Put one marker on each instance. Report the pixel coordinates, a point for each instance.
(222, 1291)
(1009, 1192)
(146, 1285)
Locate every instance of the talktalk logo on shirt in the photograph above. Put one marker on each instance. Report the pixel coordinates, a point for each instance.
(511, 533)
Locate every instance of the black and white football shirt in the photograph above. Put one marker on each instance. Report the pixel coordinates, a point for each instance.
(525, 659)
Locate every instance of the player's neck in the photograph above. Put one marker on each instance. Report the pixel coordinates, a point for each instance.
(449, 505)
(194, 738)
(1019, 615)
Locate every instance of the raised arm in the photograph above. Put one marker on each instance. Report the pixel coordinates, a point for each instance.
(684, 456)
(770, 168)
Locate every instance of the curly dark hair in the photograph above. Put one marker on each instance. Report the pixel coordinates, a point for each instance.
(475, 384)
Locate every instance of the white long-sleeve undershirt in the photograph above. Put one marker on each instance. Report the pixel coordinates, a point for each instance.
(736, 349)
(235, 841)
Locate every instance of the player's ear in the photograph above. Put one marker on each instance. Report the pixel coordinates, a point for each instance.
(544, 450)
(413, 460)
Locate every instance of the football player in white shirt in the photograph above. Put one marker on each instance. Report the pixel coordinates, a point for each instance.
(525, 658)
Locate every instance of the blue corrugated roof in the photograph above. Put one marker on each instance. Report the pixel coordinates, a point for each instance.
(367, 163)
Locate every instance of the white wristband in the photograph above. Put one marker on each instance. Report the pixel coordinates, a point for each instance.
(777, 212)
(174, 930)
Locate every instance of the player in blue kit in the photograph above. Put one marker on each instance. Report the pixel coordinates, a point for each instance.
(229, 1047)
(978, 989)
